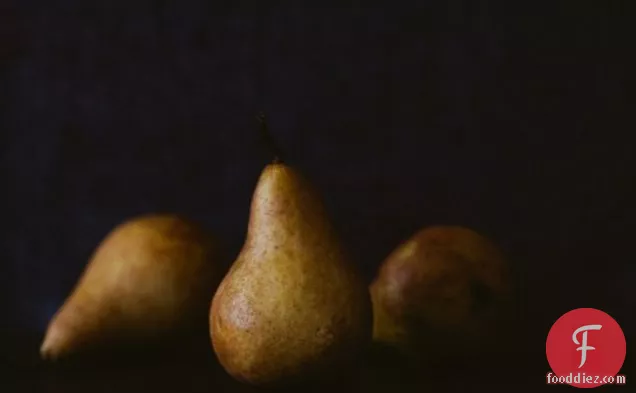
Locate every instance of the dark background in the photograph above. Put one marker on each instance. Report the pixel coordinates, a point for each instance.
(508, 118)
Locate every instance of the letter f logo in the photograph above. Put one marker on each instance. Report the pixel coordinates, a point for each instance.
(607, 344)
(583, 346)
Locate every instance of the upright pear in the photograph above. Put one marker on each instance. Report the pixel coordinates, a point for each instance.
(445, 292)
(292, 305)
(150, 278)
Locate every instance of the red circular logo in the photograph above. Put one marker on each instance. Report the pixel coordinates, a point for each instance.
(585, 348)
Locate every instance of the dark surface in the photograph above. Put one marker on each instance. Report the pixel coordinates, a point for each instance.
(185, 371)
(518, 368)
(511, 119)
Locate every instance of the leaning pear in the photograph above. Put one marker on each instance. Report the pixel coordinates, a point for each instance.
(150, 279)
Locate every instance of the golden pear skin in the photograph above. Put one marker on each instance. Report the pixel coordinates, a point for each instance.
(441, 293)
(149, 278)
(292, 305)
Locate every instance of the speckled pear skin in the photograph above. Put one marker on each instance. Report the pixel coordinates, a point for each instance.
(150, 277)
(292, 306)
(444, 292)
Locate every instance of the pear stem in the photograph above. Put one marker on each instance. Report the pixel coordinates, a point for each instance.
(269, 140)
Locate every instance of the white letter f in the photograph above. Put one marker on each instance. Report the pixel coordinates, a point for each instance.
(584, 347)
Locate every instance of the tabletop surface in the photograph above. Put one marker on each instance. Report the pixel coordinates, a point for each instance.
(198, 371)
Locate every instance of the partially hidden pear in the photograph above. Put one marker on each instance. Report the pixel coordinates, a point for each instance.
(445, 292)
(292, 306)
(150, 278)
